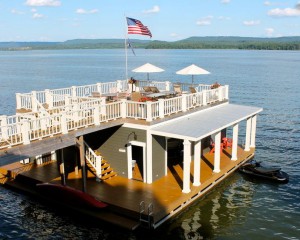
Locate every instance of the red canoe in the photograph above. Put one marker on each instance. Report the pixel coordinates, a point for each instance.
(68, 195)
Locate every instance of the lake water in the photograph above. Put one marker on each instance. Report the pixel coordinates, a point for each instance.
(239, 208)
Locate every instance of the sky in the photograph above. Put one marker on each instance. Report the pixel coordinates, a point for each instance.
(168, 20)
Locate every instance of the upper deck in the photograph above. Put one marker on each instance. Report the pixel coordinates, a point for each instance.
(44, 114)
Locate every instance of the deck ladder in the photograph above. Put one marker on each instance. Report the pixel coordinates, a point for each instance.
(146, 219)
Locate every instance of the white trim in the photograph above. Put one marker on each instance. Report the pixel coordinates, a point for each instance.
(217, 152)
(129, 158)
(149, 157)
(136, 126)
(197, 163)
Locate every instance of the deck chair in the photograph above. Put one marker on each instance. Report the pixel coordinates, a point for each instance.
(192, 90)
(154, 89)
(136, 96)
(177, 89)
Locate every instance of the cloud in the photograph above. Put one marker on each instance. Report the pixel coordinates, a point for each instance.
(225, 1)
(284, 12)
(251, 23)
(83, 11)
(269, 31)
(224, 18)
(155, 9)
(14, 11)
(205, 21)
(43, 3)
(37, 15)
(268, 3)
(174, 35)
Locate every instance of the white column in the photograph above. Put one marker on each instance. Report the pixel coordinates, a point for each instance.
(248, 134)
(197, 163)
(217, 152)
(186, 166)
(235, 137)
(149, 158)
(166, 157)
(253, 131)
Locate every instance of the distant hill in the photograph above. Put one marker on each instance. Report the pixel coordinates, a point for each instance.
(221, 42)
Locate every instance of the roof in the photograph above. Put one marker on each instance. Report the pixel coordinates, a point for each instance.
(198, 125)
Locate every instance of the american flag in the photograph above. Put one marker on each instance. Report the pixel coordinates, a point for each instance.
(136, 27)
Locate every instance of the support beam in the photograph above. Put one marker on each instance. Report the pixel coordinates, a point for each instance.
(186, 166)
(217, 152)
(235, 137)
(253, 131)
(82, 162)
(197, 163)
(248, 135)
(149, 158)
(62, 168)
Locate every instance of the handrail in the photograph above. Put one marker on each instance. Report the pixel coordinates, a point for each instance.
(93, 159)
(24, 128)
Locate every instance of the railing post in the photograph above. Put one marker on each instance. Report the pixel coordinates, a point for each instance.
(103, 105)
(18, 100)
(63, 123)
(168, 86)
(123, 108)
(3, 124)
(99, 87)
(227, 92)
(96, 115)
(161, 108)
(220, 93)
(98, 166)
(149, 111)
(34, 101)
(204, 98)
(183, 102)
(25, 128)
(49, 99)
(73, 89)
(119, 86)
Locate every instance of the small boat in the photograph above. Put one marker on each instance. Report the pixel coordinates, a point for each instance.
(254, 168)
(70, 196)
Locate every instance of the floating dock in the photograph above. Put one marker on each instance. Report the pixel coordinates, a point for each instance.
(147, 159)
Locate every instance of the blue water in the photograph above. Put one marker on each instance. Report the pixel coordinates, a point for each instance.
(239, 208)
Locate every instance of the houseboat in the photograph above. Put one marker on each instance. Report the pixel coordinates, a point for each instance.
(130, 153)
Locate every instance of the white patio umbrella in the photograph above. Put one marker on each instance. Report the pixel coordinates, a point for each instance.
(192, 70)
(148, 68)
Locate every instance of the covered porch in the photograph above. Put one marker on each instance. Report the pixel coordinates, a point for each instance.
(194, 128)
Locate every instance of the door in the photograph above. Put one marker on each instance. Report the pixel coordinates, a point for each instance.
(137, 163)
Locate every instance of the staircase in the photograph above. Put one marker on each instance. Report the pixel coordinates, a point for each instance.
(97, 165)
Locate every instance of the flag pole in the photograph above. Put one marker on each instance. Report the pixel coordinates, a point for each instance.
(126, 60)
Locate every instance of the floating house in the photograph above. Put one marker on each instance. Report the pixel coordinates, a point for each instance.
(131, 153)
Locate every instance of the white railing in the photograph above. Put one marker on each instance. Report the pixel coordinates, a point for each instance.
(93, 159)
(172, 105)
(136, 110)
(23, 128)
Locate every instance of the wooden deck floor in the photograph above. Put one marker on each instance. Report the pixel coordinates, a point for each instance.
(125, 195)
